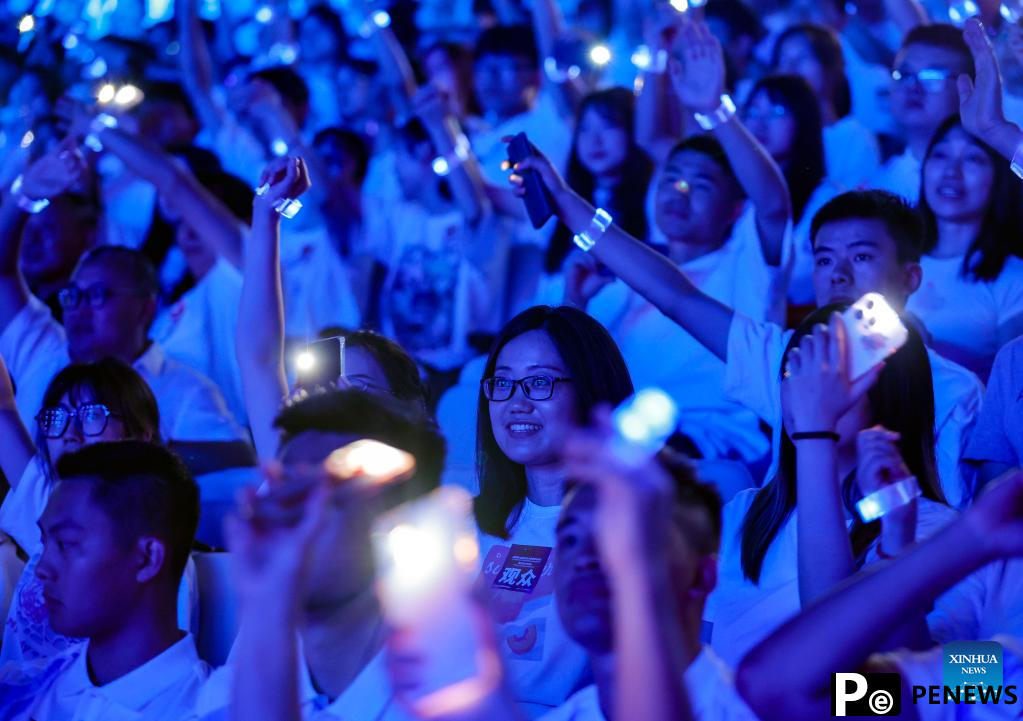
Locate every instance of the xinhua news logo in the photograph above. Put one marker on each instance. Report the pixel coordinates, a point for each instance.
(866, 694)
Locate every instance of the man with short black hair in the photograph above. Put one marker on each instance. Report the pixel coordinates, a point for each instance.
(117, 532)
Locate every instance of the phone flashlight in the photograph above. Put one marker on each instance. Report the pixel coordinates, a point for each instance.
(320, 364)
(875, 331)
(1011, 11)
(600, 55)
(643, 423)
(375, 462)
(128, 96)
(27, 24)
(962, 10)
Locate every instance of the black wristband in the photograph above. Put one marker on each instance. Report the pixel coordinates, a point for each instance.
(816, 435)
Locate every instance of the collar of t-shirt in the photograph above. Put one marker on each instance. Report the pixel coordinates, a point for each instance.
(136, 688)
(365, 699)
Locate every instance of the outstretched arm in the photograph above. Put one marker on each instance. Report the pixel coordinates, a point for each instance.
(196, 65)
(980, 100)
(700, 82)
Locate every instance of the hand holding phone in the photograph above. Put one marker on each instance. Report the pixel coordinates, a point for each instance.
(875, 331)
(320, 364)
(538, 201)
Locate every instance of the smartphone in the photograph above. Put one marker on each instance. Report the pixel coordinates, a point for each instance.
(427, 558)
(875, 331)
(539, 205)
(320, 364)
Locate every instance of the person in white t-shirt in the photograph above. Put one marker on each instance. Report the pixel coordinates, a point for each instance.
(996, 443)
(309, 612)
(971, 298)
(118, 529)
(851, 152)
(923, 95)
(547, 370)
(790, 675)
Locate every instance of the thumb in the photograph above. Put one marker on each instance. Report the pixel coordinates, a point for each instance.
(964, 84)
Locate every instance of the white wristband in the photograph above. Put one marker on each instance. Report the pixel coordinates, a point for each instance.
(598, 226)
(1017, 162)
(29, 205)
(444, 164)
(714, 120)
(285, 207)
(882, 502)
(100, 123)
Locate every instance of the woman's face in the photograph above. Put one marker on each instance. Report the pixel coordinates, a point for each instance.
(795, 57)
(958, 177)
(362, 371)
(601, 145)
(532, 432)
(772, 125)
(74, 436)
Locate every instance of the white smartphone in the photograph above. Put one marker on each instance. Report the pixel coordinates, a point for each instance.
(875, 331)
(427, 557)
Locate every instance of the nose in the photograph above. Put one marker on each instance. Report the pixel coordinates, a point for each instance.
(587, 558)
(519, 403)
(953, 168)
(44, 569)
(842, 272)
(74, 433)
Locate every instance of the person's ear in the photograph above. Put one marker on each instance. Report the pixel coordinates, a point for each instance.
(148, 312)
(152, 556)
(912, 276)
(705, 578)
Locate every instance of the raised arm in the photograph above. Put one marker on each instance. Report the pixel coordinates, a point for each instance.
(788, 676)
(14, 437)
(196, 65)
(658, 121)
(980, 100)
(260, 336)
(646, 271)
(464, 174)
(48, 177)
(699, 82)
(907, 14)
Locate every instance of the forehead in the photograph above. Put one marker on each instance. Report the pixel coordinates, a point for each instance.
(532, 348)
(919, 56)
(99, 271)
(850, 231)
(360, 362)
(691, 163)
(958, 136)
(503, 60)
(71, 500)
(313, 446)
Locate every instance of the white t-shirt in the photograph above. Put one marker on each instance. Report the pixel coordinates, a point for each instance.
(997, 437)
(191, 407)
(23, 505)
(900, 175)
(199, 331)
(753, 378)
(852, 152)
(544, 665)
(369, 697)
(709, 683)
(59, 688)
(736, 275)
(969, 321)
(927, 668)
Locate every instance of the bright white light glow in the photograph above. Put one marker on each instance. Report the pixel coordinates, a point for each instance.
(27, 24)
(381, 19)
(127, 95)
(27, 138)
(600, 55)
(279, 148)
(642, 58)
(441, 166)
(106, 93)
(305, 361)
(680, 5)
(264, 15)
(647, 419)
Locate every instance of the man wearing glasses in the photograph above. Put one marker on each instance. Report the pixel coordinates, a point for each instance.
(923, 95)
(108, 307)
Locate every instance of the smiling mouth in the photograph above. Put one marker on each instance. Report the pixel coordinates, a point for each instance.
(524, 428)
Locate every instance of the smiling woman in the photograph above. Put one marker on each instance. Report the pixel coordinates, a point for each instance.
(547, 370)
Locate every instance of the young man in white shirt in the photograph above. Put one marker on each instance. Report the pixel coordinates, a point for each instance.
(923, 95)
(789, 676)
(118, 530)
(108, 308)
(583, 594)
(341, 632)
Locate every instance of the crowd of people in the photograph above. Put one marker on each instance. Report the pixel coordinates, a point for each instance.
(244, 245)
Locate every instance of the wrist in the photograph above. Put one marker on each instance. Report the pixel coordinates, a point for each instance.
(1006, 139)
(29, 201)
(711, 118)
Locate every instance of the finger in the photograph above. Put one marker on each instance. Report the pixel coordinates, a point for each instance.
(965, 87)
(865, 382)
(795, 362)
(836, 345)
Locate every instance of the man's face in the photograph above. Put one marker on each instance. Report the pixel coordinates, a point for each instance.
(89, 575)
(115, 322)
(341, 560)
(920, 103)
(696, 200)
(53, 242)
(856, 256)
(505, 84)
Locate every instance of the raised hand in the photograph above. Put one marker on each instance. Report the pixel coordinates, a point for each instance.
(55, 172)
(544, 167)
(583, 279)
(879, 462)
(283, 178)
(698, 69)
(817, 390)
(661, 27)
(980, 100)
(430, 105)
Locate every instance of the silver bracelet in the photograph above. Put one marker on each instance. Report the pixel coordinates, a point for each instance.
(444, 164)
(29, 205)
(714, 120)
(101, 122)
(882, 502)
(1017, 162)
(285, 207)
(598, 226)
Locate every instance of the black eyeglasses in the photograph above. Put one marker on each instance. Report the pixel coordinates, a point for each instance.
(536, 388)
(54, 421)
(930, 79)
(96, 296)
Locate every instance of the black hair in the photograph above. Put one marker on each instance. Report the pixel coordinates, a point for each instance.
(510, 41)
(692, 494)
(827, 49)
(397, 423)
(944, 36)
(737, 15)
(899, 218)
(628, 197)
(401, 372)
(805, 168)
(171, 93)
(1001, 234)
(599, 375)
(354, 145)
(232, 191)
(711, 148)
(413, 134)
(902, 401)
(288, 84)
(330, 19)
(145, 490)
(133, 264)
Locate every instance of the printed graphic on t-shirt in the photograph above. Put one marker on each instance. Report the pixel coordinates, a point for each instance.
(520, 582)
(423, 296)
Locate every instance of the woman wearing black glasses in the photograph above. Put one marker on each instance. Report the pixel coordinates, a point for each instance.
(85, 403)
(547, 370)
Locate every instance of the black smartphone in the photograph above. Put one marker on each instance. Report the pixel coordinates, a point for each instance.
(321, 363)
(538, 198)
